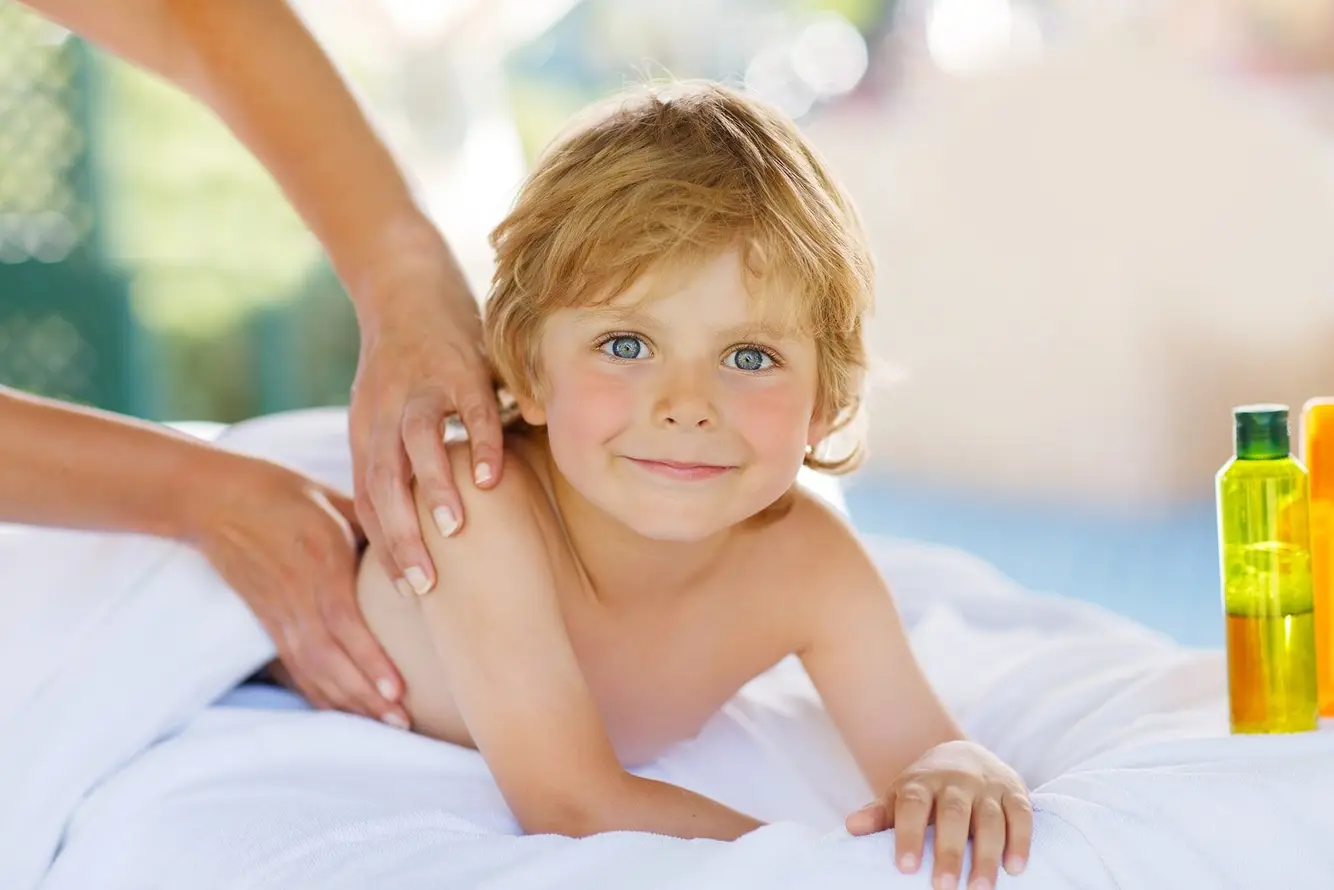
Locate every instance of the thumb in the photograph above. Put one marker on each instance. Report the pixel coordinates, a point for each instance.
(869, 819)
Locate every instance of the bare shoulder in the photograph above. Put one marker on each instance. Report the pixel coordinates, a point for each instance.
(818, 560)
(510, 517)
(829, 548)
(520, 489)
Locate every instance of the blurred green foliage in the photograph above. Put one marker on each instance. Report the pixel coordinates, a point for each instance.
(195, 291)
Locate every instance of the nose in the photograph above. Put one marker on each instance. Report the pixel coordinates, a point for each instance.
(686, 402)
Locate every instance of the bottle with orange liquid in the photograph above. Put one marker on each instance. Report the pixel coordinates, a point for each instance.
(1265, 556)
(1318, 453)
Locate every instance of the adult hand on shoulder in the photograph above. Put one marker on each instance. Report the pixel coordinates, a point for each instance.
(421, 361)
(289, 546)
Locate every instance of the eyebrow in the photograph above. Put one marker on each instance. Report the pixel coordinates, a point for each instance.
(629, 316)
(761, 332)
(749, 330)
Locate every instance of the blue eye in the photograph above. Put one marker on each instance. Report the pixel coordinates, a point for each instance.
(749, 358)
(625, 347)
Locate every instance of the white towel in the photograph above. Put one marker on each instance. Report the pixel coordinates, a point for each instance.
(116, 773)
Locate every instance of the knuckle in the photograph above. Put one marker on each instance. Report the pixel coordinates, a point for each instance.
(398, 535)
(988, 809)
(435, 476)
(419, 422)
(954, 803)
(1018, 804)
(382, 477)
(953, 811)
(405, 547)
(915, 793)
(477, 414)
(441, 492)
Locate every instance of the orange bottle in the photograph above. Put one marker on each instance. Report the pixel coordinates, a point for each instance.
(1318, 455)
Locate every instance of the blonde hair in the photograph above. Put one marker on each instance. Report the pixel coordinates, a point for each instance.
(660, 178)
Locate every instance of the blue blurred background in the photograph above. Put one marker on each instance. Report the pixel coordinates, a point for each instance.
(1098, 224)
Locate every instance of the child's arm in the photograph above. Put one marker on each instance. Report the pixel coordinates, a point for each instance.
(498, 631)
(908, 746)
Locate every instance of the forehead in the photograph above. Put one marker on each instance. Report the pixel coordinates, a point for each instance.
(720, 289)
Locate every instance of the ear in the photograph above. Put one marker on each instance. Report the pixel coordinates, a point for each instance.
(818, 430)
(531, 409)
(531, 402)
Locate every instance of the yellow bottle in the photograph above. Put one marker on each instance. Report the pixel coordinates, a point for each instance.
(1264, 548)
(1318, 453)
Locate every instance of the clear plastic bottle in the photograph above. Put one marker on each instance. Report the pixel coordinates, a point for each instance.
(1264, 546)
(1318, 453)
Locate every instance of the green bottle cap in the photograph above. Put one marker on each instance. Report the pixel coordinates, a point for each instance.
(1261, 432)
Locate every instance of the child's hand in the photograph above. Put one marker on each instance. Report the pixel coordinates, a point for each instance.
(964, 787)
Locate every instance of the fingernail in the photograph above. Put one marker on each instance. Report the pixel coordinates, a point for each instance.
(395, 721)
(1014, 865)
(482, 474)
(947, 882)
(980, 884)
(403, 587)
(417, 578)
(387, 690)
(908, 862)
(445, 521)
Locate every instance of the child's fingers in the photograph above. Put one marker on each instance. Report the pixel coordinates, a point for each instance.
(912, 810)
(988, 842)
(954, 811)
(869, 819)
(1018, 830)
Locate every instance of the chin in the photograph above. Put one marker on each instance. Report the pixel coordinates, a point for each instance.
(660, 518)
(680, 529)
(676, 519)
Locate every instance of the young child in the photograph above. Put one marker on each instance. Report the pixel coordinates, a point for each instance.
(678, 313)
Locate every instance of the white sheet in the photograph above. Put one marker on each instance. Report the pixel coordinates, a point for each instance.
(115, 774)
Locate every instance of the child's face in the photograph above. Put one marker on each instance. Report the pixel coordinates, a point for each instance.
(683, 414)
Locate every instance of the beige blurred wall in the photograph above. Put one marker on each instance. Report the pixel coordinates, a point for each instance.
(1084, 263)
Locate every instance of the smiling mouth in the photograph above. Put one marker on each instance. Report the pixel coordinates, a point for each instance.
(686, 472)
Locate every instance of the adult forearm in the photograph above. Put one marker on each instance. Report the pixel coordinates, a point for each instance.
(254, 63)
(62, 465)
(266, 77)
(638, 804)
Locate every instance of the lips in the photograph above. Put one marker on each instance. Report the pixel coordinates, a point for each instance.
(681, 470)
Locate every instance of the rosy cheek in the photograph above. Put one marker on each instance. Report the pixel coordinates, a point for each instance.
(589, 404)
(773, 419)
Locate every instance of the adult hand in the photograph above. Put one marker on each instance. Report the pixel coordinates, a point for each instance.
(421, 361)
(288, 545)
